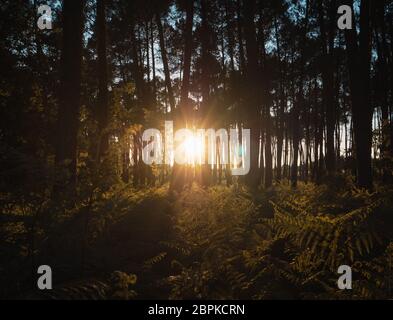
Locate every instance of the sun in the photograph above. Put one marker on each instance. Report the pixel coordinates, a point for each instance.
(193, 148)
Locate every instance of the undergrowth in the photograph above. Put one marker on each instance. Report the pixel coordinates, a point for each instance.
(204, 243)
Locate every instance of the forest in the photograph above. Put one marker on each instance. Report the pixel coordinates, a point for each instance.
(309, 103)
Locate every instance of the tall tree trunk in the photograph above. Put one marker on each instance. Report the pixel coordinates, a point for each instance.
(359, 57)
(228, 15)
(183, 113)
(142, 98)
(281, 107)
(164, 58)
(391, 84)
(153, 62)
(147, 45)
(137, 72)
(242, 59)
(205, 85)
(103, 112)
(265, 75)
(184, 101)
(298, 103)
(68, 118)
(317, 135)
(327, 42)
(252, 98)
(383, 90)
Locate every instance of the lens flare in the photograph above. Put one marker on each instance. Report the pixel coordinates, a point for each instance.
(193, 148)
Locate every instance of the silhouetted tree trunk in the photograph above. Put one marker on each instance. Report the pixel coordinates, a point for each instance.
(147, 45)
(142, 100)
(391, 85)
(205, 84)
(239, 19)
(230, 34)
(318, 135)
(183, 113)
(68, 117)
(264, 80)
(327, 41)
(359, 58)
(164, 58)
(102, 101)
(281, 107)
(137, 72)
(382, 89)
(153, 63)
(253, 114)
(185, 106)
(298, 103)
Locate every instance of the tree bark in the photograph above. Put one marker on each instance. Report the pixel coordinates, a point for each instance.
(252, 98)
(205, 85)
(281, 107)
(239, 21)
(102, 101)
(264, 77)
(183, 112)
(70, 90)
(164, 58)
(298, 103)
(327, 45)
(359, 57)
(382, 78)
(153, 62)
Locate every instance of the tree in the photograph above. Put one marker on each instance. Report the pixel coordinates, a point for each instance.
(68, 115)
(299, 99)
(183, 111)
(252, 98)
(327, 45)
(265, 100)
(205, 108)
(382, 90)
(102, 101)
(359, 59)
(165, 61)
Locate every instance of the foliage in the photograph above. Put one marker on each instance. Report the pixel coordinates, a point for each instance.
(204, 243)
(296, 253)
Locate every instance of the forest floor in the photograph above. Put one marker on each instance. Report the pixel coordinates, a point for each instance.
(208, 243)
